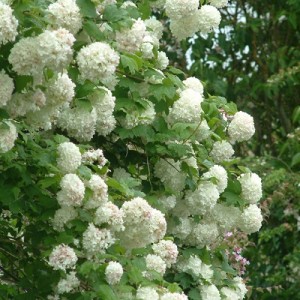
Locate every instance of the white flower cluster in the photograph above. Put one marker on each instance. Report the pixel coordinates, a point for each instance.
(68, 284)
(98, 62)
(203, 234)
(62, 257)
(113, 272)
(99, 189)
(221, 151)
(51, 49)
(6, 88)
(203, 199)
(146, 293)
(187, 109)
(8, 136)
(210, 292)
(218, 3)
(169, 172)
(104, 103)
(143, 224)
(186, 18)
(79, 122)
(8, 24)
(251, 187)
(251, 219)
(220, 174)
(69, 157)
(174, 296)
(154, 263)
(72, 191)
(96, 241)
(167, 250)
(94, 156)
(66, 14)
(62, 216)
(241, 128)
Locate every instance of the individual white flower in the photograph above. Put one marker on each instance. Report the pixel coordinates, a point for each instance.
(183, 229)
(209, 18)
(229, 294)
(97, 61)
(94, 156)
(79, 122)
(204, 234)
(185, 27)
(113, 272)
(130, 40)
(194, 84)
(106, 124)
(69, 157)
(167, 250)
(60, 90)
(146, 293)
(62, 257)
(221, 151)
(109, 213)
(62, 216)
(240, 287)
(251, 219)
(143, 224)
(6, 88)
(187, 109)
(96, 241)
(162, 60)
(218, 3)
(227, 217)
(176, 9)
(128, 4)
(241, 128)
(154, 29)
(100, 189)
(169, 172)
(209, 292)
(72, 191)
(8, 24)
(65, 13)
(174, 296)
(251, 187)
(68, 284)
(8, 136)
(220, 174)
(154, 263)
(167, 202)
(147, 50)
(203, 199)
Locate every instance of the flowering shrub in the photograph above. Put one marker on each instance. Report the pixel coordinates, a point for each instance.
(118, 173)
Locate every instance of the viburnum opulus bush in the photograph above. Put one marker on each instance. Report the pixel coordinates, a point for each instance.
(118, 176)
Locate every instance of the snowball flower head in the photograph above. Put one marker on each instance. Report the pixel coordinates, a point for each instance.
(240, 287)
(174, 296)
(68, 284)
(220, 174)
(210, 292)
(8, 24)
(176, 9)
(155, 263)
(146, 293)
(99, 188)
(72, 191)
(194, 84)
(8, 136)
(62, 216)
(241, 128)
(218, 3)
(143, 224)
(62, 257)
(113, 272)
(162, 60)
(69, 157)
(187, 109)
(229, 294)
(209, 18)
(65, 13)
(251, 219)
(96, 241)
(97, 61)
(251, 187)
(167, 250)
(6, 88)
(204, 234)
(203, 199)
(221, 151)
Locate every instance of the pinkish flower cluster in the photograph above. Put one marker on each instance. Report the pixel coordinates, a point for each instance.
(238, 261)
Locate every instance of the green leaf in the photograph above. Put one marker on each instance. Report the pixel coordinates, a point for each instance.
(194, 294)
(114, 14)
(105, 292)
(93, 30)
(87, 8)
(295, 159)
